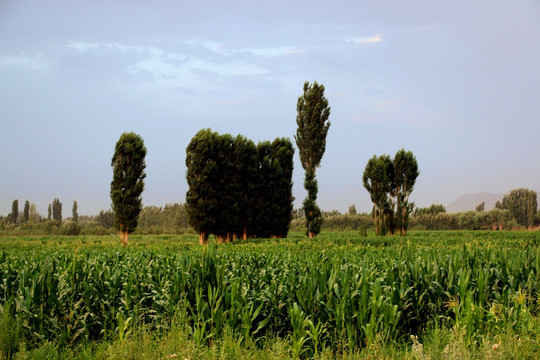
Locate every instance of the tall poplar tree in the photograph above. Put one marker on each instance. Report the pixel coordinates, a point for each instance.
(313, 124)
(74, 213)
(57, 210)
(281, 155)
(405, 174)
(201, 174)
(14, 211)
(128, 163)
(377, 179)
(522, 203)
(26, 211)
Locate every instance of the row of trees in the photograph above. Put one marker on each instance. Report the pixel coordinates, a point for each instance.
(390, 183)
(522, 204)
(237, 188)
(30, 214)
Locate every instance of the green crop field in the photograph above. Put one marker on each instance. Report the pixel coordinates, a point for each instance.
(428, 295)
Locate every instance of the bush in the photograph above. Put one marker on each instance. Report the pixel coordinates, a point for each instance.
(70, 228)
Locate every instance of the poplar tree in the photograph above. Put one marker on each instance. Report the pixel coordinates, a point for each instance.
(14, 211)
(26, 211)
(57, 210)
(49, 212)
(405, 174)
(128, 163)
(201, 175)
(313, 124)
(281, 155)
(377, 179)
(522, 203)
(74, 213)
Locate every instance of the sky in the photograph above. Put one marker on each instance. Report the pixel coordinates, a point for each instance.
(455, 82)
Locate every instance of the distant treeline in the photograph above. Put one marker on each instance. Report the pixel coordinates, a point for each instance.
(517, 210)
(170, 219)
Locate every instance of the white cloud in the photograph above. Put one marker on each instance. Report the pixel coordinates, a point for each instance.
(84, 47)
(272, 52)
(36, 62)
(365, 40)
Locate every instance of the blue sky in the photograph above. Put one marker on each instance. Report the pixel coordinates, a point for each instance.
(456, 82)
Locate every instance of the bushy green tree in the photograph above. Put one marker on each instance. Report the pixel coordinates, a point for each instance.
(522, 203)
(377, 180)
(49, 212)
(57, 210)
(313, 124)
(405, 173)
(237, 189)
(106, 219)
(434, 209)
(26, 211)
(14, 214)
(74, 213)
(201, 174)
(282, 165)
(128, 163)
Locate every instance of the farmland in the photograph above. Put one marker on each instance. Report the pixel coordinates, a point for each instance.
(339, 294)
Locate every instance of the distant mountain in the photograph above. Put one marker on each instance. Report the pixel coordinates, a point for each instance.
(470, 201)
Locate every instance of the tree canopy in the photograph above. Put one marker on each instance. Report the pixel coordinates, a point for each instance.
(238, 189)
(128, 163)
(389, 184)
(522, 203)
(313, 124)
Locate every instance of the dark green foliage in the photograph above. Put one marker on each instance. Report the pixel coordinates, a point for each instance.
(171, 219)
(57, 210)
(405, 174)
(249, 181)
(128, 163)
(14, 215)
(313, 124)
(26, 211)
(201, 175)
(281, 154)
(105, 219)
(237, 189)
(377, 180)
(522, 203)
(49, 212)
(311, 210)
(434, 209)
(74, 213)
(390, 183)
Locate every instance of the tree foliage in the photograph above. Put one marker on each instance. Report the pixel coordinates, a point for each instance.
(128, 163)
(522, 203)
(377, 180)
(26, 211)
(313, 124)
(389, 184)
(238, 189)
(74, 213)
(405, 174)
(57, 210)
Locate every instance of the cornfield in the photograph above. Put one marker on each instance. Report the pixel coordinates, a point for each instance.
(337, 291)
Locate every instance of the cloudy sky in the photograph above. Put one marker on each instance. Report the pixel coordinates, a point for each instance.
(457, 83)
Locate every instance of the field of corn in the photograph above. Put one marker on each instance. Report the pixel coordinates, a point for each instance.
(340, 291)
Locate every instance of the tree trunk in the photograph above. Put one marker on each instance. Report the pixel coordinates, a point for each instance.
(124, 237)
(203, 238)
(244, 237)
(311, 235)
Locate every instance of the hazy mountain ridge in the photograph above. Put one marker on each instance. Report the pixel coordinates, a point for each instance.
(469, 202)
